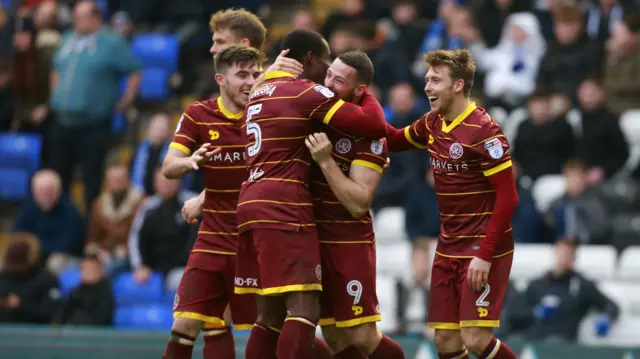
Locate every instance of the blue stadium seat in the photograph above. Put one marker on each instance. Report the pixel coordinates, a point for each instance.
(127, 291)
(144, 316)
(69, 279)
(169, 296)
(118, 123)
(20, 150)
(14, 184)
(157, 50)
(154, 85)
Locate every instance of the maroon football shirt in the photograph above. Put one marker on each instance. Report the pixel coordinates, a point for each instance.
(463, 153)
(209, 122)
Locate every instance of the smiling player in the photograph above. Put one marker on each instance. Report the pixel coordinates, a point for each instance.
(476, 200)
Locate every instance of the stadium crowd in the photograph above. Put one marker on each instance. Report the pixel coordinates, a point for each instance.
(560, 76)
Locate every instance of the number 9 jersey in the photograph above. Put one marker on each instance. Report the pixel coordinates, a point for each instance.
(281, 113)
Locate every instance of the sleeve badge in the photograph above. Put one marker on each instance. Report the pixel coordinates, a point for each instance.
(494, 147)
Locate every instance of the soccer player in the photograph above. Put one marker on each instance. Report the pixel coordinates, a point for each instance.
(278, 256)
(342, 187)
(477, 196)
(207, 284)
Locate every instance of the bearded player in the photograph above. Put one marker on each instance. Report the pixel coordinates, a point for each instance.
(278, 253)
(476, 200)
(343, 185)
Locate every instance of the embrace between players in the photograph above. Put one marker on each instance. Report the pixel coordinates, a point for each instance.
(291, 166)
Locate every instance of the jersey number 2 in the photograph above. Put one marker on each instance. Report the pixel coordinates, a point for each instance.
(254, 129)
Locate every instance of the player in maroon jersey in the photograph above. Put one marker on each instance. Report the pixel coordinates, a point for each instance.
(342, 186)
(477, 196)
(207, 284)
(278, 254)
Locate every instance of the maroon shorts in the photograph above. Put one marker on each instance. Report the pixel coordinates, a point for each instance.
(349, 284)
(205, 290)
(454, 304)
(273, 261)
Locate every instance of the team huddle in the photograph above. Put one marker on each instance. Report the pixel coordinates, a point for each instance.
(292, 157)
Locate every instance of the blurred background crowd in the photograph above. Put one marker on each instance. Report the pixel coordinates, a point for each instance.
(90, 93)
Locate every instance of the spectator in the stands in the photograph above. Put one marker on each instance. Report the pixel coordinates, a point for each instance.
(301, 19)
(53, 218)
(583, 212)
(528, 224)
(412, 293)
(88, 68)
(160, 240)
(512, 66)
(352, 11)
(602, 16)
(150, 153)
(28, 293)
(437, 35)
(7, 114)
(91, 303)
(492, 15)
(622, 65)
(552, 307)
(568, 59)
(543, 144)
(7, 28)
(122, 25)
(603, 147)
(422, 220)
(111, 219)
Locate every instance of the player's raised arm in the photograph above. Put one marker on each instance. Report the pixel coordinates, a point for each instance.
(184, 155)
(356, 191)
(409, 137)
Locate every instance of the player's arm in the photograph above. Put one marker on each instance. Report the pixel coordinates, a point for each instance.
(409, 137)
(366, 120)
(498, 169)
(355, 192)
(184, 155)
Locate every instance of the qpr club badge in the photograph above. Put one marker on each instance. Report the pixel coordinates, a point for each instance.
(494, 147)
(456, 150)
(343, 145)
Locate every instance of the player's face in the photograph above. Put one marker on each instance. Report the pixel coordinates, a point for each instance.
(441, 88)
(342, 79)
(238, 81)
(221, 38)
(319, 65)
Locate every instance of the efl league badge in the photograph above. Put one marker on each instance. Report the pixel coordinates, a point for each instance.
(456, 151)
(377, 146)
(343, 145)
(494, 146)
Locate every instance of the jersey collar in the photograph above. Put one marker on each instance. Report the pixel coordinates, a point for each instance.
(227, 113)
(458, 120)
(273, 74)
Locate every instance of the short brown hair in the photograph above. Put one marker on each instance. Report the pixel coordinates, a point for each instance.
(243, 24)
(237, 54)
(460, 64)
(361, 63)
(568, 14)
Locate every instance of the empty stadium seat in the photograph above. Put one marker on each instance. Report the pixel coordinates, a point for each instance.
(626, 230)
(144, 316)
(14, 184)
(531, 261)
(393, 259)
(157, 50)
(629, 264)
(20, 150)
(625, 330)
(630, 126)
(385, 288)
(548, 189)
(154, 85)
(69, 279)
(128, 291)
(596, 262)
(388, 225)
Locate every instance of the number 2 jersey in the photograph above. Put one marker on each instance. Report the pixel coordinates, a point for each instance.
(281, 113)
(209, 122)
(463, 153)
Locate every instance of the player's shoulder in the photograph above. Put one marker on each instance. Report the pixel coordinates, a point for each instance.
(207, 109)
(484, 125)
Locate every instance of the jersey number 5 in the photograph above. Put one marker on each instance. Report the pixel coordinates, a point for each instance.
(254, 129)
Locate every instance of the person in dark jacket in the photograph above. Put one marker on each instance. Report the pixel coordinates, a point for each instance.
(552, 306)
(92, 302)
(53, 218)
(603, 147)
(28, 293)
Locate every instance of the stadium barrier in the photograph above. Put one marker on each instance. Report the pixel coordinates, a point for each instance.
(42, 342)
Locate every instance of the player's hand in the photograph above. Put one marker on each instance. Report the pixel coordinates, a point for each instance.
(142, 274)
(192, 209)
(13, 301)
(386, 165)
(478, 274)
(202, 154)
(319, 146)
(286, 64)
